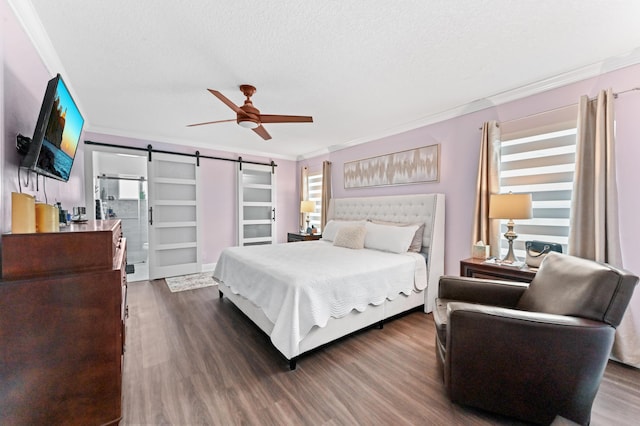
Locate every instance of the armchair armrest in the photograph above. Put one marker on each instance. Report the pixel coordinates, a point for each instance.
(482, 291)
(497, 358)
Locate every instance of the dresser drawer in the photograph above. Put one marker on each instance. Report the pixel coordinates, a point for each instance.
(79, 247)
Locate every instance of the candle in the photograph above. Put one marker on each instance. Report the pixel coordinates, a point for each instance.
(23, 213)
(47, 219)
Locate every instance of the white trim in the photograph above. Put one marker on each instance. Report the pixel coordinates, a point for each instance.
(30, 21)
(208, 267)
(560, 80)
(28, 17)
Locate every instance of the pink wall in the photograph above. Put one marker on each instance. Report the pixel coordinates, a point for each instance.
(218, 193)
(460, 138)
(22, 85)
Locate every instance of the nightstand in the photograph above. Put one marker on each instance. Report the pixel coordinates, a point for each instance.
(291, 237)
(476, 268)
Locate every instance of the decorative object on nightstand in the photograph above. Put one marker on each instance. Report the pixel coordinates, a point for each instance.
(307, 207)
(537, 250)
(510, 206)
(480, 250)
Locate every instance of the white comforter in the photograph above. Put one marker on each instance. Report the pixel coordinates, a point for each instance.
(301, 285)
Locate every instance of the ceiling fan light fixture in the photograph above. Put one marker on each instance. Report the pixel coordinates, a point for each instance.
(248, 124)
(249, 116)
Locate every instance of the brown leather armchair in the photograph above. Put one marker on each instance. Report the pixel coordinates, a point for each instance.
(534, 351)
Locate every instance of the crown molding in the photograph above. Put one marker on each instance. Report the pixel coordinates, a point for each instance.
(28, 18)
(97, 130)
(32, 25)
(560, 80)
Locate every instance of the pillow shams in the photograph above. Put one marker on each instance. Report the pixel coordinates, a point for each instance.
(351, 236)
(331, 228)
(395, 239)
(416, 243)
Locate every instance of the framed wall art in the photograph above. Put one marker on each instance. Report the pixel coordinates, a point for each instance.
(418, 165)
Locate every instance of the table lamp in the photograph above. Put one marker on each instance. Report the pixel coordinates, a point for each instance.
(510, 206)
(307, 207)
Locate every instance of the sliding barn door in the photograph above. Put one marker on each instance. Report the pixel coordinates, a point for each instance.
(256, 204)
(173, 216)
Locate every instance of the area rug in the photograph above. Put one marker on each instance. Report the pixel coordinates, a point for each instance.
(190, 282)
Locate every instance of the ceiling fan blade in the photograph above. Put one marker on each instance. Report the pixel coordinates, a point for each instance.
(211, 122)
(262, 132)
(227, 102)
(272, 118)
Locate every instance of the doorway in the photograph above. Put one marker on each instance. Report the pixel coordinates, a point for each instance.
(120, 192)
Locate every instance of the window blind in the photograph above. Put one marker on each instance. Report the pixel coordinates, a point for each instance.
(538, 157)
(314, 186)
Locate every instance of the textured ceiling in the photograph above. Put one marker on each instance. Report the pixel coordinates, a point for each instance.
(362, 69)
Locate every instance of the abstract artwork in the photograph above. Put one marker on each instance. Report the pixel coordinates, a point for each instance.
(417, 165)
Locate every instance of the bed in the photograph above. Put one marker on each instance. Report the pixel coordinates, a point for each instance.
(307, 294)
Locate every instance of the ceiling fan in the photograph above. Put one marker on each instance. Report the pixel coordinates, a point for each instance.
(249, 116)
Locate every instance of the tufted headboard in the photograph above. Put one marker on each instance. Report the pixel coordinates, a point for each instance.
(418, 208)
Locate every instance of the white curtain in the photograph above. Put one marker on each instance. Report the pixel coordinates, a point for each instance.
(594, 232)
(485, 229)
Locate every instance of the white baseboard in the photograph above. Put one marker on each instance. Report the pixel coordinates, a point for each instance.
(208, 267)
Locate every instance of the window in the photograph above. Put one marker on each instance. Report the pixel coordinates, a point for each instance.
(128, 189)
(314, 187)
(538, 157)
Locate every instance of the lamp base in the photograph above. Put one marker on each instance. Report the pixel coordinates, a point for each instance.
(510, 235)
(510, 257)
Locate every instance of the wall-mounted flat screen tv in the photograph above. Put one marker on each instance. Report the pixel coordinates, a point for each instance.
(57, 133)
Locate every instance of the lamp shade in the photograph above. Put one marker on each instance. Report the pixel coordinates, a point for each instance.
(307, 206)
(510, 206)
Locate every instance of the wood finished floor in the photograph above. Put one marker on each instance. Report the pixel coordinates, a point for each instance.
(193, 359)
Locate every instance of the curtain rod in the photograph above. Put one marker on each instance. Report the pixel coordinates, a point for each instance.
(103, 176)
(615, 96)
(149, 149)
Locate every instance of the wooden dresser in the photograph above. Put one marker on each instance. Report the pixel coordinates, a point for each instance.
(62, 325)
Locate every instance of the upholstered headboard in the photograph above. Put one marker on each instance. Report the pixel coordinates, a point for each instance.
(418, 208)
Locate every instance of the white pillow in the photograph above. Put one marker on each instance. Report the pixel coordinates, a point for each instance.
(331, 228)
(395, 239)
(351, 236)
(416, 244)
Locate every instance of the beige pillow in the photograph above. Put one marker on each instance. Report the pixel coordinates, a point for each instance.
(350, 237)
(332, 227)
(416, 243)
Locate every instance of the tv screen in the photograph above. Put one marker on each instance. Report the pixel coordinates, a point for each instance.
(57, 133)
